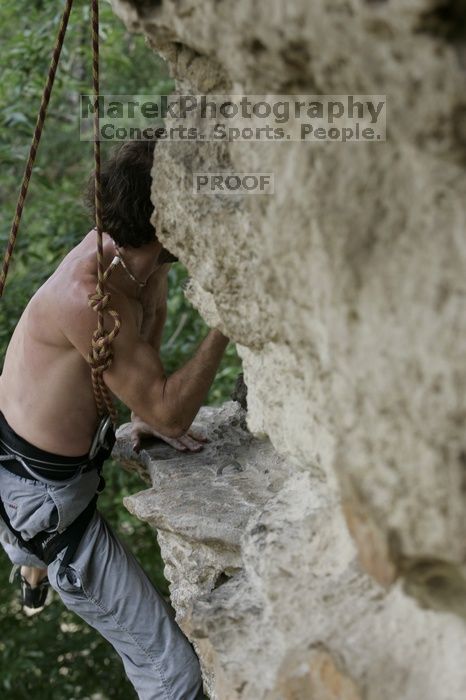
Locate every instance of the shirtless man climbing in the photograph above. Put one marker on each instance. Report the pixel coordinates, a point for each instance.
(48, 419)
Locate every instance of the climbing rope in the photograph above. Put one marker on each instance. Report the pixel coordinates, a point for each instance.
(100, 356)
(35, 142)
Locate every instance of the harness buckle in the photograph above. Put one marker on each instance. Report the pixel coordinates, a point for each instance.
(104, 438)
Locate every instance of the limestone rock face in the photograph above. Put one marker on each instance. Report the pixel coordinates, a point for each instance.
(345, 293)
(266, 583)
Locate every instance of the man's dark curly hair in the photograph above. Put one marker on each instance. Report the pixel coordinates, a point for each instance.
(126, 187)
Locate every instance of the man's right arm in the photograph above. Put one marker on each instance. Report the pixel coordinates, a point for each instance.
(136, 374)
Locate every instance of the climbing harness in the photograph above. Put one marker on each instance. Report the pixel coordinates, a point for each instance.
(46, 545)
(100, 356)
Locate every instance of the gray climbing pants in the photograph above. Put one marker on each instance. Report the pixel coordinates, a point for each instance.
(104, 585)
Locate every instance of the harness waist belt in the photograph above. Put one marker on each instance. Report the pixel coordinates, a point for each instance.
(27, 460)
(19, 456)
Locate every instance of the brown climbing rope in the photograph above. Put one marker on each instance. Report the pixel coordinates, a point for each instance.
(35, 142)
(100, 357)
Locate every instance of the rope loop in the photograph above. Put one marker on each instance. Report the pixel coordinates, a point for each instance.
(100, 357)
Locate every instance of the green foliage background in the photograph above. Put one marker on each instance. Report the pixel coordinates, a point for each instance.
(55, 655)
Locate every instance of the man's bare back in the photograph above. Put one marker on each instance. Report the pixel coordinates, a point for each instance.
(45, 389)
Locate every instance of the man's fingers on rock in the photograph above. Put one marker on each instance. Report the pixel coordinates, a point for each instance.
(197, 436)
(177, 444)
(180, 447)
(191, 444)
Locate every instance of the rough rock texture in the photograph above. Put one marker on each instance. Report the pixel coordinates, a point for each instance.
(345, 293)
(265, 580)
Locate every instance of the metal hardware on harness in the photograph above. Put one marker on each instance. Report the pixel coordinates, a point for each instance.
(102, 437)
(101, 448)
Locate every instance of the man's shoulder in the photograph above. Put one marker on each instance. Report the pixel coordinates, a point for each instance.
(78, 314)
(81, 301)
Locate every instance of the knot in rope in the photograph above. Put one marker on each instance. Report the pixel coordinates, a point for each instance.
(99, 300)
(100, 357)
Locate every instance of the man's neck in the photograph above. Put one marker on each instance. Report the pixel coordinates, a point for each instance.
(119, 259)
(135, 271)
